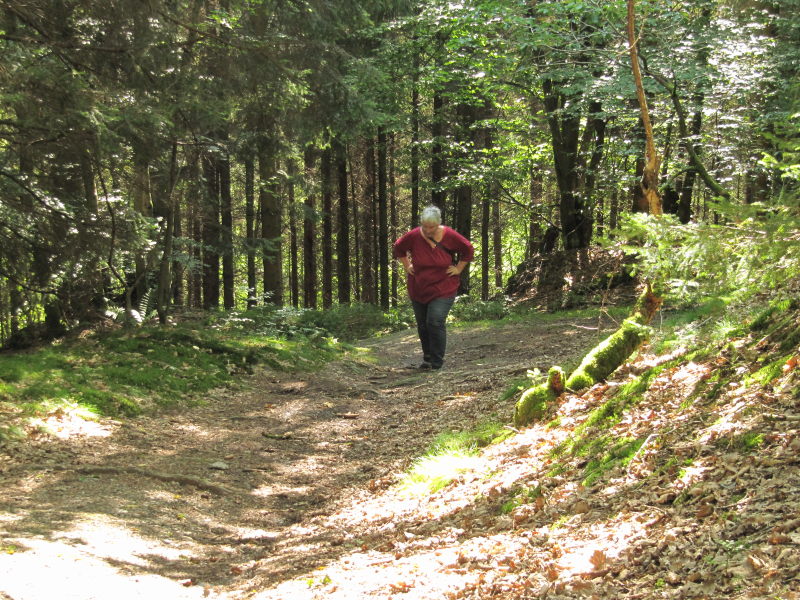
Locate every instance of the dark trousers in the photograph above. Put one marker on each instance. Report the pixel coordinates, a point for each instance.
(431, 319)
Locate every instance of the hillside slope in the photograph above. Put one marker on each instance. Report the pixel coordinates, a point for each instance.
(676, 479)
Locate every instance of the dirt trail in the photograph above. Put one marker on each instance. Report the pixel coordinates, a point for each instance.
(236, 497)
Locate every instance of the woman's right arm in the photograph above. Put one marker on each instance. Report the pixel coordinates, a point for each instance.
(407, 264)
(401, 251)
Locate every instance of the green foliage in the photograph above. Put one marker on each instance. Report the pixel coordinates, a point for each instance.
(769, 372)
(520, 496)
(617, 453)
(765, 317)
(753, 252)
(748, 442)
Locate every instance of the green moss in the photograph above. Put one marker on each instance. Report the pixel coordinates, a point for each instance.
(620, 454)
(768, 373)
(535, 401)
(606, 357)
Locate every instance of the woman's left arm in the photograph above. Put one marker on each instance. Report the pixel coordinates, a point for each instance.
(465, 251)
(457, 268)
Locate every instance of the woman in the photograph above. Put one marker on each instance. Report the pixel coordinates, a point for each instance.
(427, 253)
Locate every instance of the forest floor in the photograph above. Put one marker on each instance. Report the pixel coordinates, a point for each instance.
(286, 487)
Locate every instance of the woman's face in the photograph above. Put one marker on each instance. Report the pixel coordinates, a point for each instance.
(429, 228)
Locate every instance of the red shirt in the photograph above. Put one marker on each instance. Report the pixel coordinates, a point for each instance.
(430, 280)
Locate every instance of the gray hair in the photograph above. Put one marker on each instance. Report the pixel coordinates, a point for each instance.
(431, 214)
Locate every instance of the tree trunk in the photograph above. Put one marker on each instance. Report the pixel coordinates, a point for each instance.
(652, 159)
(210, 233)
(309, 234)
(294, 278)
(438, 160)
(367, 222)
(576, 226)
(485, 227)
(535, 229)
(226, 205)
(638, 199)
(393, 222)
(142, 202)
(463, 203)
(497, 241)
(250, 229)
(343, 235)
(383, 220)
(167, 212)
(687, 188)
(356, 221)
(271, 224)
(415, 110)
(326, 176)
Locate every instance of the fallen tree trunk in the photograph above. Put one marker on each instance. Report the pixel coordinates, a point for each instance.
(598, 364)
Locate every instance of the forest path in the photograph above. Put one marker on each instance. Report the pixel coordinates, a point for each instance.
(246, 492)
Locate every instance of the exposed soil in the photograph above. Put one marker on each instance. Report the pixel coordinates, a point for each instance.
(258, 490)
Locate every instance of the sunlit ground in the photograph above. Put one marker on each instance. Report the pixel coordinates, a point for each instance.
(98, 558)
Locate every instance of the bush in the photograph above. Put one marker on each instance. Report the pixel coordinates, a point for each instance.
(469, 309)
(356, 321)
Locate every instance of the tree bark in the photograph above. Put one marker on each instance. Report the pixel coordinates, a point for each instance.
(367, 222)
(210, 234)
(326, 176)
(564, 122)
(250, 229)
(309, 234)
(383, 220)
(438, 160)
(415, 110)
(393, 220)
(294, 279)
(226, 205)
(164, 289)
(343, 235)
(271, 225)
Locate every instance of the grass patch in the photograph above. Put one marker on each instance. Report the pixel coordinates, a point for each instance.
(130, 371)
(450, 455)
(516, 386)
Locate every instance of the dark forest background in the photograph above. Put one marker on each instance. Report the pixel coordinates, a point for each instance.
(221, 154)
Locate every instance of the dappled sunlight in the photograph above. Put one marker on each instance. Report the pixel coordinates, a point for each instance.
(95, 558)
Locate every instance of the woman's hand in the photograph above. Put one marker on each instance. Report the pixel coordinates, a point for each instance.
(453, 270)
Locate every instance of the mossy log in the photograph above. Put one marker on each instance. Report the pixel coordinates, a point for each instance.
(608, 355)
(616, 348)
(601, 361)
(535, 400)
